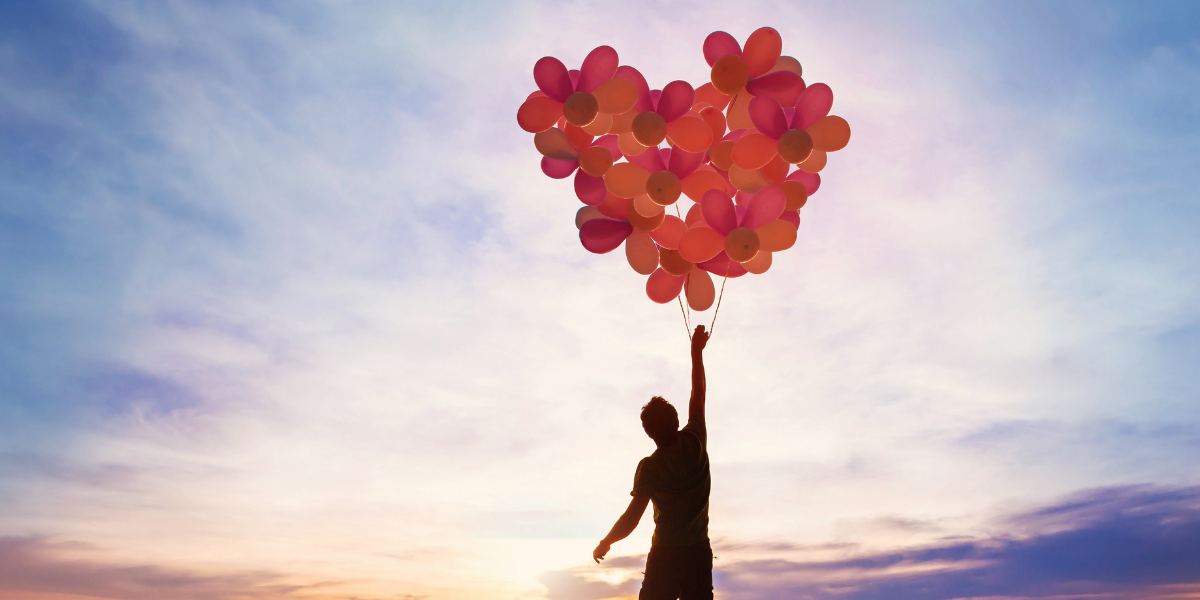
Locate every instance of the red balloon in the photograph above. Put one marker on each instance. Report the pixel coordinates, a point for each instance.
(552, 78)
(663, 287)
(604, 235)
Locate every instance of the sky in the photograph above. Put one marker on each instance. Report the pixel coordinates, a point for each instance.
(288, 309)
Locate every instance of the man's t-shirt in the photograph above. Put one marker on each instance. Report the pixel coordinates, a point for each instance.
(677, 480)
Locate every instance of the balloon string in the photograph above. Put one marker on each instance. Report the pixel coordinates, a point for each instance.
(686, 326)
(718, 309)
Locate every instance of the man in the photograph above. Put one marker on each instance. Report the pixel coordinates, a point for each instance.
(676, 479)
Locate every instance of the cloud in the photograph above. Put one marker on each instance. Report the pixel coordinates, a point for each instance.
(1112, 542)
(35, 565)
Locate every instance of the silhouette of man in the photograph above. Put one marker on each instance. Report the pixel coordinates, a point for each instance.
(675, 477)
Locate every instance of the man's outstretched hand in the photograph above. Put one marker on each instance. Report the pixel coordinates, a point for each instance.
(600, 551)
(699, 340)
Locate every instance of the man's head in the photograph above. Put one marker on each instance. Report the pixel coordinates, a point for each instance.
(659, 418)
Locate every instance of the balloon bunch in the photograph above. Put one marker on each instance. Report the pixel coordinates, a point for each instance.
(745, 147)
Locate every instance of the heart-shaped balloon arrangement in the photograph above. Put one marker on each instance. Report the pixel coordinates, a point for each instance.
(745, 147)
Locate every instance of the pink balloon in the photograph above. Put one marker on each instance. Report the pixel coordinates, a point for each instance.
(810, 181)
(667, 235)
(767, 116)
(604, 235)
(590, 190)
(650, 161)
(558, 169)
(598, 67)
(718, 44)
(719, 212)
(627, 72)
(740, 211)
(676, 99)
(721, 265)
(742, 198)
(609, 141)
(814, 103)
(574, 75)
(663, 287)
(552, 78)
(654, 96)
(766, 206)
(783, 86)
(683, 163)
(665, 154)
(791, 216)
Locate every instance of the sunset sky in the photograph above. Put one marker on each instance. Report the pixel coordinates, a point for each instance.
(288, 309)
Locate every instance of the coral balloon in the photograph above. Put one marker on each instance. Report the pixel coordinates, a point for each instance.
(585, 214)
(662, 287)
(795, 146)
(762, 51)
(741, 244)
(699, 244)
(580, 108)
(673, 262)
(616, 96)
(539, 113)
(641, 252)
(626, 180)
(699, 289)
(595, 161)
(796, 193)
(664, 187)
(754, 150)
(776, 236)
(691, 134)
(643, 223)
(649, 128)
(816, 161)
(759, 264)
(729, 74)
(553, 143)
(830, 133)
(667, 235)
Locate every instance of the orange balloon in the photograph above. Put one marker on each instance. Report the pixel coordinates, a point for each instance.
(700, 181)
(672, 262)
(587, 213)
(699, 289)
(646, 224)
(616, 96)
(815, 162)
(628, 145)
(623, 123)
(787, 63)
(600, 126)
(667, 235)
(646, 207)
(615, 207)
(577, 137)
(830, 133)
(753, 150)
(761, 51)
(539, 113)
(759, 264)
(776, 236)
(691, 134)
(649, 128)
(580, 108)
(741, 244)
(664, 187)
(707, 94)
(595, 161)
(721, 154)
(796, 193)
(694, 215)
(737, 116)
(746, 181)
(716, 122)
(552, 143)
(795, 145)
(775, 171)
(730, 74)
(641, 252)
(626, 180)
(699, 244)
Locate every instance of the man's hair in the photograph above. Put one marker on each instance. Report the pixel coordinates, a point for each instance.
(659, 418)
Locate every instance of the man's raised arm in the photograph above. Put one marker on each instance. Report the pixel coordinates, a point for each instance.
(696, 406)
